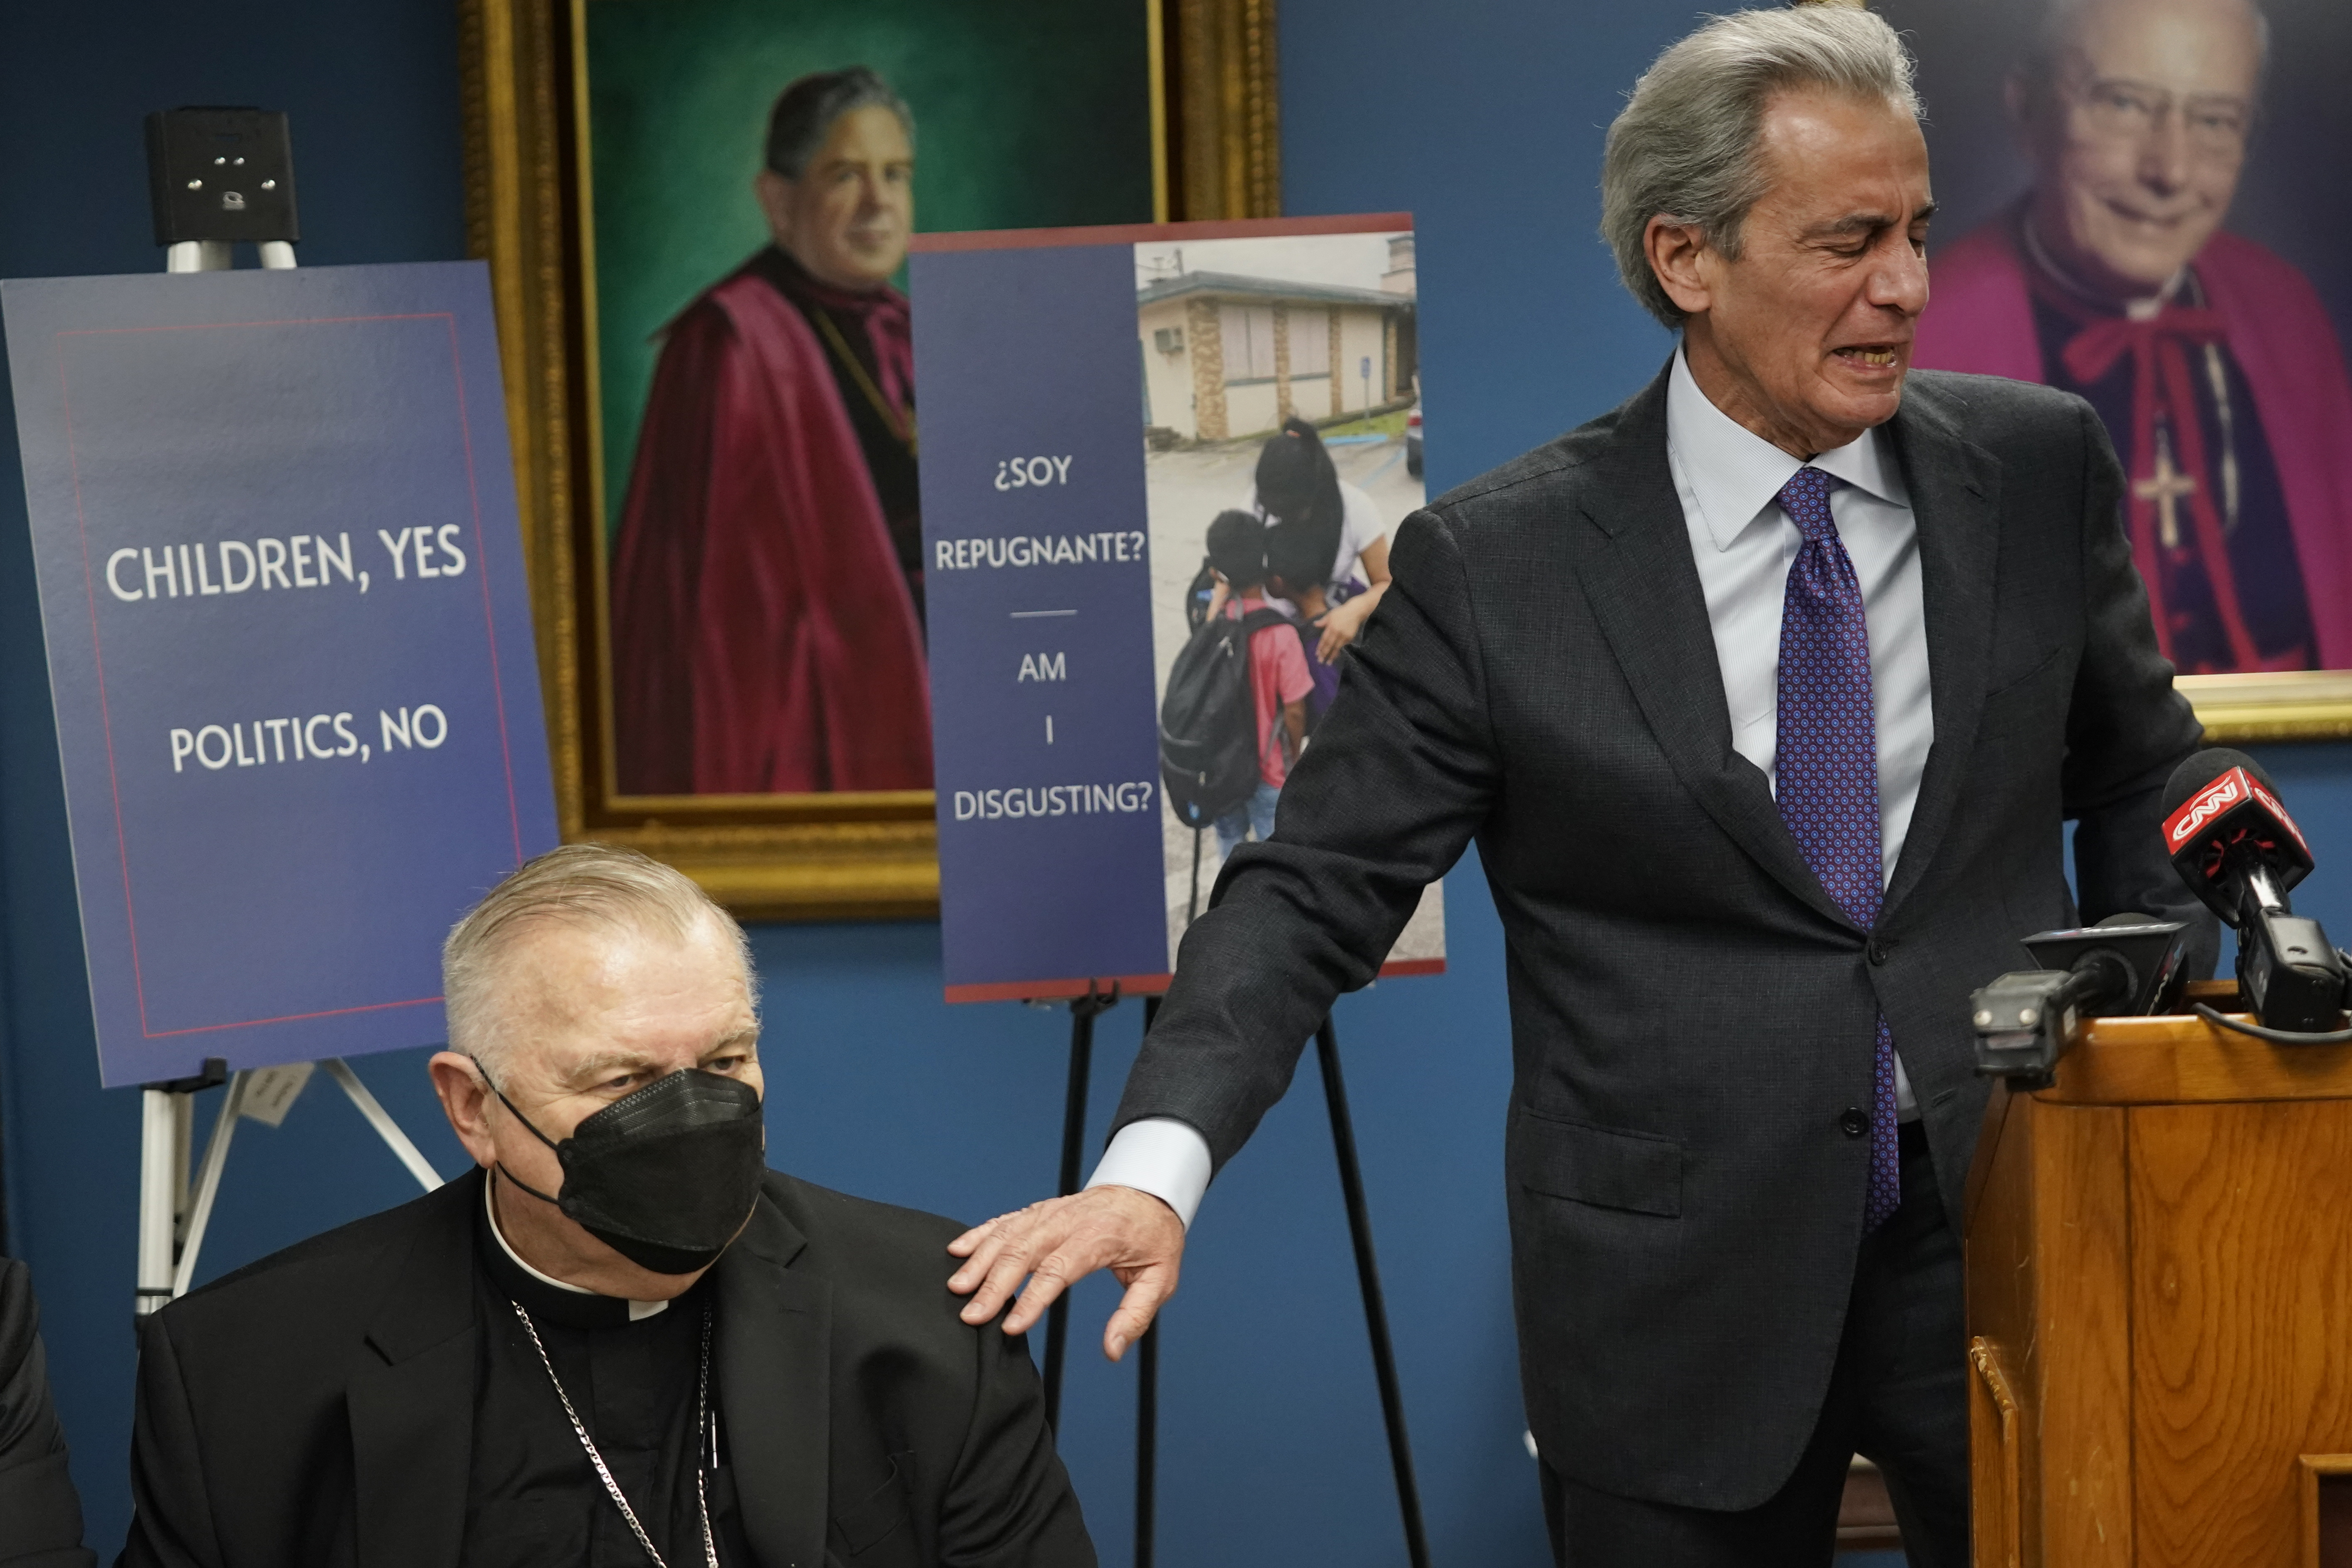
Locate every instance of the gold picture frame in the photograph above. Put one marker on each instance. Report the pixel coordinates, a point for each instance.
(2292, 705)
(524, 86)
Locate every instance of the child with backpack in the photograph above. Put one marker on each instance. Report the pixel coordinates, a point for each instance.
(1279, 679)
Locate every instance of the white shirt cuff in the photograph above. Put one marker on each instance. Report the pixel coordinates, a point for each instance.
(1162, 1156)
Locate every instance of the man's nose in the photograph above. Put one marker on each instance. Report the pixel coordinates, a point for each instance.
(1899, 281)
(873, 195)
(2165, 153)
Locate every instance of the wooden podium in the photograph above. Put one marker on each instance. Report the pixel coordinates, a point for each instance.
(2159, 1299)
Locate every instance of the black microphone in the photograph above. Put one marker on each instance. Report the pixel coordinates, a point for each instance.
(2128, 963)
(2239, 851)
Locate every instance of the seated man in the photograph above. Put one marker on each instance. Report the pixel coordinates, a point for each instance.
(623, 1340)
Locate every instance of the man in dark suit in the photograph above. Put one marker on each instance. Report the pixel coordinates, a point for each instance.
(621, 1341)
(1765, 698)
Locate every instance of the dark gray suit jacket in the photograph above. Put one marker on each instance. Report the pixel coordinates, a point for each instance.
(316, 1410)
(1691, 1015)
(40, 1513)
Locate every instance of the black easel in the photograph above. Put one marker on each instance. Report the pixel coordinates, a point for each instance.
(1367, 1276)
(1147, 1402)
(1084, 1010)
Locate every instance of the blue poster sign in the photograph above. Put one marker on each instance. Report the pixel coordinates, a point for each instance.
(1067, 503)
(1038, 596)
(290, 643)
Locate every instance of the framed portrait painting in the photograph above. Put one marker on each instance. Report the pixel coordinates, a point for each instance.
(2141, 201)
(696, 215)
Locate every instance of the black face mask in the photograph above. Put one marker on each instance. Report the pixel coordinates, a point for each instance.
(665, 1176)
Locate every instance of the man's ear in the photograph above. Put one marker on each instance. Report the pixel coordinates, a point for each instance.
(465, 1101)
(774, 194)
(1675, 252)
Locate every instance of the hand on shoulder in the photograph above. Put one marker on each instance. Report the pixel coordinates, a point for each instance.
(1059, 1242)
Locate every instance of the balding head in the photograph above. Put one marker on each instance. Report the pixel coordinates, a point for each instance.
(2137, 114)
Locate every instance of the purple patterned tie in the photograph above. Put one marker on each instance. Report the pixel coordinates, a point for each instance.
(1827, 767)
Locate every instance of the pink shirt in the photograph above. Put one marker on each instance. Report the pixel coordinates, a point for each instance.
(1278, 675)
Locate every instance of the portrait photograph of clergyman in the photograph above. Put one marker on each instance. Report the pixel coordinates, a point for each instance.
(2134, 150)
(766, 582)
(751, 173)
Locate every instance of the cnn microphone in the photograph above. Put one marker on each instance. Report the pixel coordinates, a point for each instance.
(2239, 851)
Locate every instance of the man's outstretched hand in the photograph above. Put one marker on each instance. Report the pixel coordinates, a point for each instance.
(1060, 1242)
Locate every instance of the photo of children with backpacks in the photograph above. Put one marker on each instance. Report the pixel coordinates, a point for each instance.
(1281, 386)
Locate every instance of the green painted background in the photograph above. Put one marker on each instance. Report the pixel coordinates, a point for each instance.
(1028, 113)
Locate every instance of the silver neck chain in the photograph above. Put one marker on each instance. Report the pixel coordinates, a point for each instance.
(701, 1442)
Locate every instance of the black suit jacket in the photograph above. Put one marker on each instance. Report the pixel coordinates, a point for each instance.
(1691, 1015)
(317, 1408)
(40, 1513)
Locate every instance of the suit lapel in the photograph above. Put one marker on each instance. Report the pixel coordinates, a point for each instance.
(776, 1338)
(1645, 592)
(412, 1416)
(1956, 503)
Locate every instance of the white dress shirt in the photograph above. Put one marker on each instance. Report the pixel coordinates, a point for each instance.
(1742, 542)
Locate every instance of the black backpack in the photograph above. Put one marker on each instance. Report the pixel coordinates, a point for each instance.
(1208, 720)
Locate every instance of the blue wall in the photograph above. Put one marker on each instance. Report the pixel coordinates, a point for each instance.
(1486, 122)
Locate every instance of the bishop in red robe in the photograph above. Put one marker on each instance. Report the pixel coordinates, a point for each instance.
(766, 584)
(2211, 359)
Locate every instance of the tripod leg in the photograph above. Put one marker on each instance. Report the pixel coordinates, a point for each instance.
(200, 1210)
(1074, 1140)
(1147, 1439)
(1147, 1395)
(380, 1120)
(161, 1153)
(1367, 1275)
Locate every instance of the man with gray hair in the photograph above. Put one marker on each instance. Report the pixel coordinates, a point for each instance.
(622, 1340)
(767, 583)
(1764, 697)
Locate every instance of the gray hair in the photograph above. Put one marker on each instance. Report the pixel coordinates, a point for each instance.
(1687, 146)
(598, 887)
(2048, 43)
(804, 112)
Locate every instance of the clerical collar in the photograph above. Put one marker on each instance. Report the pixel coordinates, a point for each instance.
(543, 1295)
(784, 270)
(2055, 273)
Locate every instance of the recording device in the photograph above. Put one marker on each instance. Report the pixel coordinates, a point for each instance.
(2128, 963)
(221, 176)
(2239, 851)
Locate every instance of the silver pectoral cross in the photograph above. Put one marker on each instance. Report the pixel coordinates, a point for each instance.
(2168, 486)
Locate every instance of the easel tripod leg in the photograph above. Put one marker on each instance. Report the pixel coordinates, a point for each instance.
(166, 1130)
(1147, 1384)
(1147, 1439)
(1074, 1140)
(1367, 1275)
(161, 1154)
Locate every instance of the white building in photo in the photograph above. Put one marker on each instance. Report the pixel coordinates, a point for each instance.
(1226, 355)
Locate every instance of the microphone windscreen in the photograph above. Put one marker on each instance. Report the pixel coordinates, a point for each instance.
(2199, 769)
